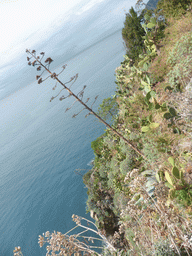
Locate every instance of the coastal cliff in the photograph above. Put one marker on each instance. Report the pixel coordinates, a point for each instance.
(143, 204)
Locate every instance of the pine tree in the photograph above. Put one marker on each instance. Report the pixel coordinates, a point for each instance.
(132, 34)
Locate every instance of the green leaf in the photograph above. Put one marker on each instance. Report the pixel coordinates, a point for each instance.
(171, 161)
(151, 106)
(163, 109)
(140, 64)
(172, 111)
(167, 115)
(172, 193)
(168, 178)
(146, 16)
(145, 129)
(144, 83)
(176, 173)
(144, 25)
(147, 88)
(148, 80)
(150, 25)
(147, 172)
(153, 20)
(153, 49)
(161, 174)
(153, 94)
(149, 118)
(148, 96)
(157, 176)
(167, 184)
(145, 66)
(154, 125)
(157, 106)
(181, 175)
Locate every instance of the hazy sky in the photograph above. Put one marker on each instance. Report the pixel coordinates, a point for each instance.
(20, 18)
(27, 22)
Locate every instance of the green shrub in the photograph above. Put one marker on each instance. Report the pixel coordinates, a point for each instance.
(132, 34)
(124, 166)
(150, 149)
(109, 142)
(86, 177)
(162, 248)
(184, 196)
(181, 60)
(97, 145)
(108, 109)
(173, 8)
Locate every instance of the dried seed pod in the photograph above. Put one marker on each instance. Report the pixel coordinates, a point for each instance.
(33, 63)
(61, 98)
(87, 100)
(40, 81)
(53, 75)
(49, 60)
(52, 98)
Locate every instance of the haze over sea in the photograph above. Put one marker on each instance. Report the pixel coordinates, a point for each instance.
(41, 146)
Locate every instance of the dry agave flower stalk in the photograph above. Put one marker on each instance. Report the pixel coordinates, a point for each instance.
(48, 61)
(78, 97)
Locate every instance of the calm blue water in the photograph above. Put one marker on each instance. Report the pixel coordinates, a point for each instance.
(41, 146)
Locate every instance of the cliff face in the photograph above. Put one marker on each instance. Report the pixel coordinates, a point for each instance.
(130, 195)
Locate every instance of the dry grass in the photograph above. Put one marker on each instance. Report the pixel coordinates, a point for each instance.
(154, 221)
(175, 30)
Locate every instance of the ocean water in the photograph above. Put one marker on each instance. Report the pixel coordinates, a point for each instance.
(41, 146)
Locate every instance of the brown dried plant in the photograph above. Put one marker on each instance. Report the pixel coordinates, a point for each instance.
(17, 251)
(154, 220)
(78, 97)
(76, 244)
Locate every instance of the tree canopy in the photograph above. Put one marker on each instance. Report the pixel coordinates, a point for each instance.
(132, 34)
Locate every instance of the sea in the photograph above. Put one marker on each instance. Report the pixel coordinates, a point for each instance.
(43, 150)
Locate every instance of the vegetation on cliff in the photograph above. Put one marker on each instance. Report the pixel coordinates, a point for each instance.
(143, 205)
(140, 186)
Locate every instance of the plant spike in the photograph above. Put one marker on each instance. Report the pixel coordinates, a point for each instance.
(54, 76)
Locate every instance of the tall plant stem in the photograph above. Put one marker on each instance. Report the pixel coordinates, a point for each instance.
(90, 110)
